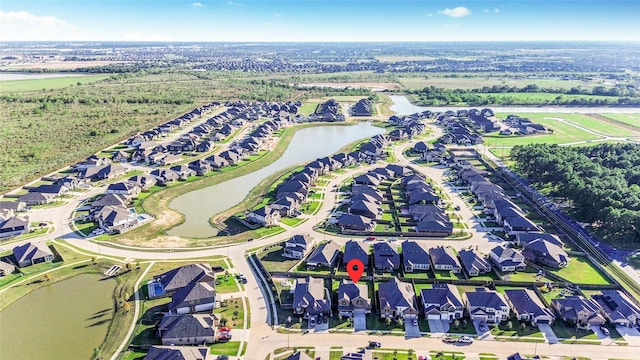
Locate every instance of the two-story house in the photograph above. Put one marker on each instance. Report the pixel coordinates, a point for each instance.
(578, 311)
(297, 247)
(353, 298)
(507, 259)
(486, 305)
(442, 302)
(397, 299)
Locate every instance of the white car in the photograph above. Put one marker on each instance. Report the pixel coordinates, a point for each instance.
(465, 340)
(98, 231)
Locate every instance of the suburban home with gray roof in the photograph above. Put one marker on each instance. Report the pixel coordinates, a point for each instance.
(356, 222)
(415, 256)
(31, 254)
(527, 306)
(177, 352)
(311, 298)
(385, 257)
(299, 355)
(297, 247)
(36, 198)
(264, 215)
(6, 268)
(353, 298)
(473, 263)
(364, 208)
(486, 305)
(578, 311)
(287, 206)
(543, 252)
(442, 302)
(13, 205)
(123, 188)
(397, 299)
(618, 308)
(14, 226)
(324, 255)
(526, 237)
(507, 259)
(187, 329)
(116, 219)
(356, 250)
(108, 200)
(172, 280)
(444, 258)
(195, 297)
(143, 181)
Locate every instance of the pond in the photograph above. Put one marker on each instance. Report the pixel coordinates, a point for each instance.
(65, 320)
(306, 145)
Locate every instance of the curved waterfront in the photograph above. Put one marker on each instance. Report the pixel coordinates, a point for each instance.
(306, 145)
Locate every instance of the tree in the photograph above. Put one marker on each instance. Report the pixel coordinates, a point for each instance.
(47, 277)
(93, 260)
(456, 323)
(223, 321)
(387, 321)
(128, 266)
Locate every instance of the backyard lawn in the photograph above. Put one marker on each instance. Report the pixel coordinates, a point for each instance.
(515, 329)
(233, 311)
(292, 221)
(226, 284)
(581, 271)
(225, 348)
(273, 260)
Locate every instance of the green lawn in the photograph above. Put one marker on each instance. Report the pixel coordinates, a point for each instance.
(292, 221)
(629, 119)
(374, 322)
(563, 331)
(86, 228)
(443, 274)
(226, 284)
(503, 329)
(11, 86)
(233, 311)
(581, 271)
(598, 125)
(335, 354)
(133, 355)
(311, 207)
(225, 348)
(394, 354)
(447, 355)
(528, 275)
(269, 231)
(273, 260)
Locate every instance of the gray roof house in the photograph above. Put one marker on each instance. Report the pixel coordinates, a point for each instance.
(385, 257)
(486, 305)
(415, 256)
(355, 222)
(311, 298)
(31, 254)
(578, 310)
(36, 198)
(264, 215)
(353, 298)
(299, 355)
(14, 226)
(618, 308)
(527, 237)
(6, 268)
(473, 263)
(195, 297)
(324, 255)
(177, 353)
(528, 307)
(543, 252)
(172, 280)
(366, 209)
(442, 302)
(355, 250)
(444, 258)
(507, 259)
(297, 247)
(187, 329)
(397, 299)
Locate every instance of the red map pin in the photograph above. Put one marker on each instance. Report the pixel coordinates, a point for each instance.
(355, 268)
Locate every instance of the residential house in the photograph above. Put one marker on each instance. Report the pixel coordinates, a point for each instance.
(32, 253)
(123, 188)
(164, 176)
(486, 305)
(217, 161)
(172, 280)
(120, 156)
(108, 200)
(102, 172)
(526, 305)
(353, 298)
(397, 299)
(14, 206)
(14, 226)
(297, 247)
(183, 171)
(618, 308)
(177, 352)
(324, 255)
(200, 167)
(578, 311)
(442, 302)
(55, 189)
(311, 298)
(444, 258)
(524, 238)
(144, 181)
(287, 206)
(507, 259)
(299, 355)
(545, 253)
(356, 222)
(355, 250)
(194, 297)
(364, 208)
(116, 219)
(6, 268)
(385, 257)
(187, 329)
(415, 256)
(474, 264)
(36, 198)
(264, 215)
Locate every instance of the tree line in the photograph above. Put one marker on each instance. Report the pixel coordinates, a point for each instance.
(602, 183)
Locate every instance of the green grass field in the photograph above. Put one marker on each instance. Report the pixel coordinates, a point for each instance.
(419, 81)
(630, 119)
(12, 86)
(581, 271)
(599, 126)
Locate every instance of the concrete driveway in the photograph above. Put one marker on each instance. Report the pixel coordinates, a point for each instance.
(438, 326)
(596, 330)
(359, 321)
(411, 330)
(630, 335)
(548, 333)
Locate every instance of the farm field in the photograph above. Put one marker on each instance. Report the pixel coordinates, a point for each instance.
(12, 86)
(591, 122)
(630, 119)
(419, 81)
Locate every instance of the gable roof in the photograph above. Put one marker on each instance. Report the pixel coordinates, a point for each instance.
(202, 292)
(349, 291)
(310, 294)
(414, 253)
(549, 252)
(441, 295)
(525, 301)
(484, 298)
(385, 254)
(30, 251)
(185, 275)
(395, 293)
(441, 255)
(177, 353)
(473, 261)
(355, 250)
(187, 325)
(617, 305)
(324, 254)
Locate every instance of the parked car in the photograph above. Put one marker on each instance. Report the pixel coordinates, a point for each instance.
(449, 340)
(415, 322)
(393, 238)
(482, 326)
(374, 344)
(605, 331)
(371, 238)
(465, 340)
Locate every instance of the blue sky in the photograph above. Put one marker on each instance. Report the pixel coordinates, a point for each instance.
(313, 20)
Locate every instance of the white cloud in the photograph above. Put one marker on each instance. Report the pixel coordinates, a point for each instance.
(485, 10)
(268, 23)
(429, 14)
(197, 4)
(233, 3)
(456, 12)
(25, 26)
(496, 10)
(276, 14)
(139, 36)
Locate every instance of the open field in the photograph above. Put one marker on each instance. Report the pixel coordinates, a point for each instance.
(61, 65)
(563, 133)
(12, 86)
(419, 81)
(592, 122)
(630, 119)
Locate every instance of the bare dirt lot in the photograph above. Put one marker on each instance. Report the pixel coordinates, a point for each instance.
(62, 65)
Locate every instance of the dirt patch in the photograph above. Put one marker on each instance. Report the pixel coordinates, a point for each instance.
(366, 85)
(67, 65)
